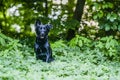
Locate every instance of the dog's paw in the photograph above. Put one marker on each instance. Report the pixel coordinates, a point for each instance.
(50, 60)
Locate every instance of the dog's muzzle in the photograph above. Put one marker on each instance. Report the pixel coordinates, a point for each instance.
(42, 36)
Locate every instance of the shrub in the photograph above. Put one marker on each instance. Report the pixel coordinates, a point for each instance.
(80, 41)
(108, 45)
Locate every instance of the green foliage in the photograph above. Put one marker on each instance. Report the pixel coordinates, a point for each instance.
(81, 42)
(22, 14)
(19, 16)
(108, 45)
(106, 13)
(71, 24)
(17, 62)
(59, 47)
(8, 43)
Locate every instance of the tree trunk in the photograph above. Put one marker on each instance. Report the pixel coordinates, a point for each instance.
(79, 10)
(46, 8)
(77, 16)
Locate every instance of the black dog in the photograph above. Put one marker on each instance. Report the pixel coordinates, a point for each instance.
(42, 47)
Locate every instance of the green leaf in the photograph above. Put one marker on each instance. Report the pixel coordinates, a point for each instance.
(114, 27)
(95, 17)
(107, 45)
(100, 45)
(2, 41)
(108, 16)
(107, 27)
(80, 43)
(111, 19)
(114, 15)
(119, 27)
(110, 5)
(97, 6)
(100, 14)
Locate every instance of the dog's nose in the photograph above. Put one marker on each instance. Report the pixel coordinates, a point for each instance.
(42, 34)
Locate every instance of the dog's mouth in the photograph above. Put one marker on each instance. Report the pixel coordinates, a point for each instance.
(42, 36)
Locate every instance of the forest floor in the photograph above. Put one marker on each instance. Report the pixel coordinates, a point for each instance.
(17, 62)
(81, 66)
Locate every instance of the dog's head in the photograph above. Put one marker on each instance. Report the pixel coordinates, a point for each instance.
(42, 30)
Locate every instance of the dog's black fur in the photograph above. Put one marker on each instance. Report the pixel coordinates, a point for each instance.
(42, 47)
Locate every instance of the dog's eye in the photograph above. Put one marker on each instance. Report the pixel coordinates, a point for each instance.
(40, 27)
(44, 28)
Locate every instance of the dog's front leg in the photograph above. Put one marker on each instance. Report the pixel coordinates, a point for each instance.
(47, 57)
(48, 54)
(36, 49)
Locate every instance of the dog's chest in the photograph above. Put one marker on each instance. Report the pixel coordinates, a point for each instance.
(42, 49)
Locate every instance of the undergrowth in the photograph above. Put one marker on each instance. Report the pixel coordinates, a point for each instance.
(79, 59)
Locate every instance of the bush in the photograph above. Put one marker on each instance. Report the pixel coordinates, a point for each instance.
(108, 45)
(80, 41)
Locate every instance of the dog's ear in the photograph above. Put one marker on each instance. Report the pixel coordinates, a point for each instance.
(49, 26)
(37, 23)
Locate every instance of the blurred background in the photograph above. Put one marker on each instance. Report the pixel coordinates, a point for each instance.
(89, 18)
